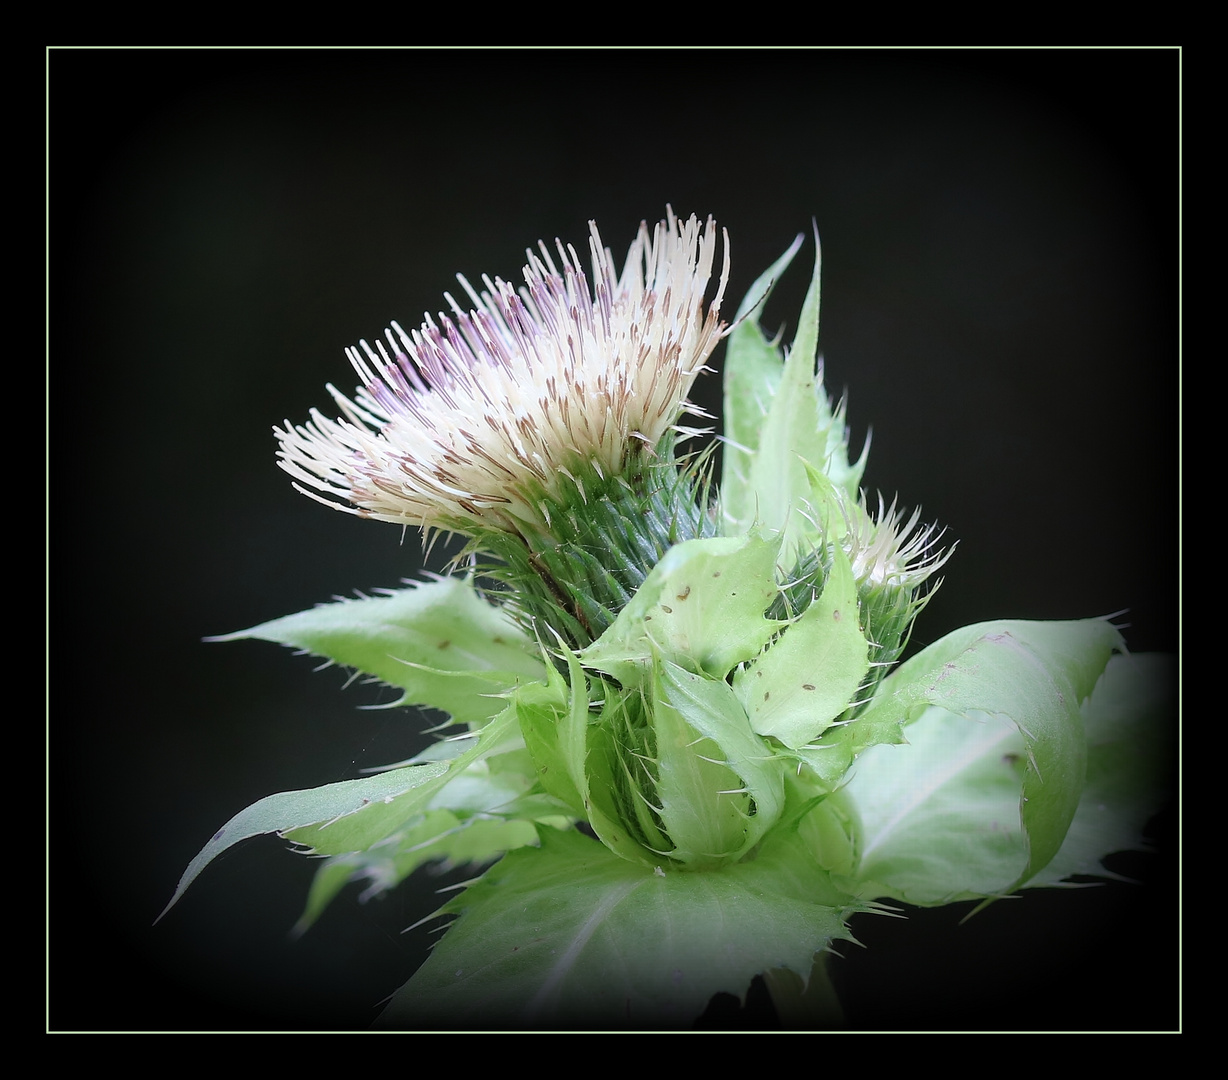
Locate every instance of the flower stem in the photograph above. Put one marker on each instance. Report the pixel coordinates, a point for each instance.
(813, 1006)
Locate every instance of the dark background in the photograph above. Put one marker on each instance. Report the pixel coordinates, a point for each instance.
(999, 237)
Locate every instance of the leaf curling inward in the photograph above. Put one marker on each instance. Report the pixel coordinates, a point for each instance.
(1036, 673)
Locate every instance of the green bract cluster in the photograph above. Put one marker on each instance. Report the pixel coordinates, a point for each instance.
(709, 681)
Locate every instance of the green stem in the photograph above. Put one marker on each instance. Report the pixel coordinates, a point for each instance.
(813, 1006)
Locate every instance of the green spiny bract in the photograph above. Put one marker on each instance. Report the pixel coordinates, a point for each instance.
(603, 540)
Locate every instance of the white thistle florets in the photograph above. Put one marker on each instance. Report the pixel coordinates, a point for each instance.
(468, 422)
(887, 550)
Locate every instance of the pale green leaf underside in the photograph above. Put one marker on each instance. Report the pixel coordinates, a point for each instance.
(570, 933)
(1036, 673)
(940, 815)
(1131, 726)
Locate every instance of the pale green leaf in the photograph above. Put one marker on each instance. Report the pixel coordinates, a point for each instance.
(809, 676)
(709, 722)
(437, 836)
(701, 606)
(569, 933)
(333, 876)
(1131, 726)
(703, 807)
(939, 817)
(800, 427)
(1035, 673)
(572, 755)
(753, 369)
(438, 641)
(374, 822)
(290, 810)
(543, 711)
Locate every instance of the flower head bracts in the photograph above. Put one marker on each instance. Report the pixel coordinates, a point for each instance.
(469, 422)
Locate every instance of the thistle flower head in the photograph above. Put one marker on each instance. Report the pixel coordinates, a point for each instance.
(888, 550)
(475, 420)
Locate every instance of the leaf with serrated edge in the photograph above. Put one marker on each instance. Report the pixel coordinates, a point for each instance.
(438, 836)
(569, 933)
(1131, 724)
(809, 676)
(371, 824)
(753, 367)
(544, 711)
(438, 641)
(800, 427)
(289, 810)
(709, 708)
